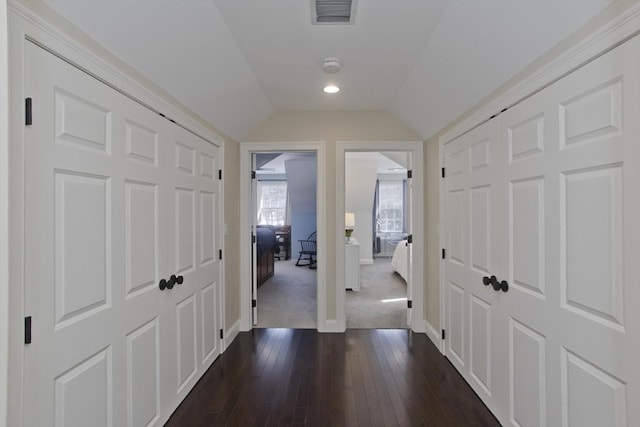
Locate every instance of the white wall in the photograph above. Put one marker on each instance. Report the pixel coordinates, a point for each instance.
(231, 182)
(4, 214)
(360, 187)
(301, 185)
(331, 127)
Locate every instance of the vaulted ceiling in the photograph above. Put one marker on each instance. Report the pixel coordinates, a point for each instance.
(236, 62)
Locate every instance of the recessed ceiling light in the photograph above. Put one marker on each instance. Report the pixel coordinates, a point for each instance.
(331, 89)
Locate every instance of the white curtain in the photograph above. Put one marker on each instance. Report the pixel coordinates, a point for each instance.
(273, 202)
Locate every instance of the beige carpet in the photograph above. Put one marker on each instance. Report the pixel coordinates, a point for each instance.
(288, 299)
(381, 301)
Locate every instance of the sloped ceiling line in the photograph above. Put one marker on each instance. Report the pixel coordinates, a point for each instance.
(236, 63)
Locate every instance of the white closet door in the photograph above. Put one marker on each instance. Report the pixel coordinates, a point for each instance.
(116, 199)
(194, 242)
(475, 334)
(560, 201)
(92, 252)
(572, 193)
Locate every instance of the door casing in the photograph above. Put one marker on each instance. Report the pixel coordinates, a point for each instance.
(417, 217)
(246, 284)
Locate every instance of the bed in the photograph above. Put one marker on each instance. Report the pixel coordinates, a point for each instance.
(267, 248)
(399, 260)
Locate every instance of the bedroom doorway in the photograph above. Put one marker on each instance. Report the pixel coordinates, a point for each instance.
(377, 253)
(382, 239)
(284, 256)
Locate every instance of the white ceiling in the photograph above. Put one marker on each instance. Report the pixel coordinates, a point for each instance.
(236, 62)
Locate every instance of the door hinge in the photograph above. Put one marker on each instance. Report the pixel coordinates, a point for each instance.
(444, 254)
(220, 174)
(443, 335)
(253, 174)
(443, 172)
(254, 303)
(221, 334)
(220, 254)
(410, 238)
(28, 113)
(409, 304)
(409, 174)
(27, 330)
(253, 238)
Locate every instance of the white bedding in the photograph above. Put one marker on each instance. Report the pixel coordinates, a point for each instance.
(399, 260)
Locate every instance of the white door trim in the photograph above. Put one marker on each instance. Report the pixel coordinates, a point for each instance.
(36, 22)
(416, 149)
(4, 214)
(246, 149)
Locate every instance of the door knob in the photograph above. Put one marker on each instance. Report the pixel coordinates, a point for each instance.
(162, 285)
(179, 279)
(494, 283)
(171, 282)
(504, 286)
(486, 281)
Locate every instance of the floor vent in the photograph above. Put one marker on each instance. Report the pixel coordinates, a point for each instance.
(333, 11)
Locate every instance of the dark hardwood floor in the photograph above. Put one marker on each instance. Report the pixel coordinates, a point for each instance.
(364, 377)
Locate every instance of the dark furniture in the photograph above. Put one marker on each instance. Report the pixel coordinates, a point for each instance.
(267, 248)
(283, 236)
(308, 251)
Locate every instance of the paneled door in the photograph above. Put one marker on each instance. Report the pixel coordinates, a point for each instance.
(194, 257)
(475, 334)
(571, 188)
(556, 214)
(117, 200)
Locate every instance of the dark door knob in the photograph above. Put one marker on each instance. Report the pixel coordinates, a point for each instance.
(179, 279)
(171, 282)
(504, 286)
(486, 281)
(494, 283)
(162, 285)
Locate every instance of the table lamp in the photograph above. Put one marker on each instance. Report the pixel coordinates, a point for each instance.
(349, 224)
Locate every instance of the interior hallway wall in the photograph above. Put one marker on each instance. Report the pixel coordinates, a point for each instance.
(432, 214)
(360, 188)
(331, 127)
(4, 213)
(231, 183)
(301, 185)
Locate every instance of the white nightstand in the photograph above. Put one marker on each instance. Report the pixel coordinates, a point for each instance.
(352, 265)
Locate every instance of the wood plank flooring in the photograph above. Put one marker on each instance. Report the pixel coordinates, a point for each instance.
(364, 377)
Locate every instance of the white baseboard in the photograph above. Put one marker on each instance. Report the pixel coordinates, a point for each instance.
(434, 335)
(366, 261)
(330, 326)
(231, 334)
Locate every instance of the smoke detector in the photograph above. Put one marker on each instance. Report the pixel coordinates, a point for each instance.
(331, 65)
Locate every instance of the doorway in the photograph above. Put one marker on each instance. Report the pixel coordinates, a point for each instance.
(284, 253)
(381, 240)
(377, 203)
(248, 224)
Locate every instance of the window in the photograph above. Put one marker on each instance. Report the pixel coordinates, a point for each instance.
(390, 215)
(272, 202)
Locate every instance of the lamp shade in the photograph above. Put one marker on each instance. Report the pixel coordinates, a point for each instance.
(349, 220)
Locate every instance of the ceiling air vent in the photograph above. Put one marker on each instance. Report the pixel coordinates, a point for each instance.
(333, 11)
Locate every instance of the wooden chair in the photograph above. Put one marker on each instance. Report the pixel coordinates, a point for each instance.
(308, 251)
